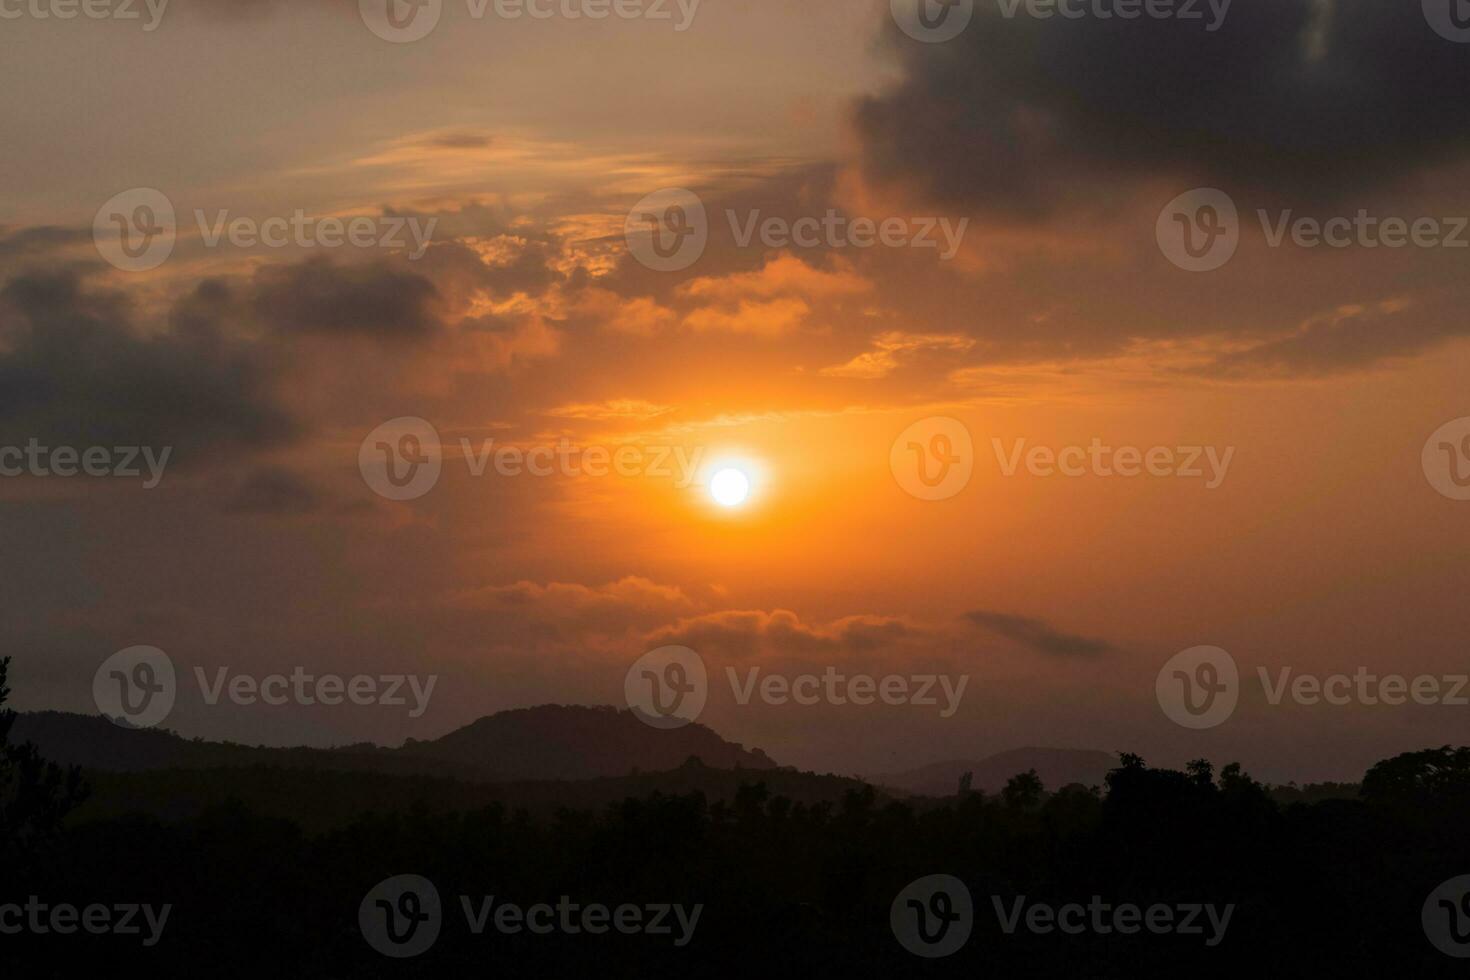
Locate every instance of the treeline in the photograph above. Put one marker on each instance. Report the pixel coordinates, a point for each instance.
(784, 888)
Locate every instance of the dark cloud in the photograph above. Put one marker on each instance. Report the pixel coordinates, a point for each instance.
(29, 242)
(371, 300)
(1352, 337)
(1306, 99)
(1038, 635)
(274, 491)
(75, 369)
(461, 141)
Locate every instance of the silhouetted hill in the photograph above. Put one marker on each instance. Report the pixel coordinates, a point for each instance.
(546, 743)
(554, 742)
(1055, 767)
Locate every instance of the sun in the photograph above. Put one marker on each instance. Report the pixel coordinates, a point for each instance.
(730, 487)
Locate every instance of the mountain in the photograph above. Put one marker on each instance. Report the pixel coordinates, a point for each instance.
(1056, 767)
(552, 742)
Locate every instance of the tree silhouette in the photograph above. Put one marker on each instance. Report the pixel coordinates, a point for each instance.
(35, 795)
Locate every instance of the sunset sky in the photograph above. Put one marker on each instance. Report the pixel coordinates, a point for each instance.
(1060, 320)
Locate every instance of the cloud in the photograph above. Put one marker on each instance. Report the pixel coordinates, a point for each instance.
(274, 491)
(75, 369)
(575, 616)
(769, 319)
(28, 242)
(782, 275)
(1350, 337)
(891, 349)
(371, 300)
(1305, 99)
(744, 634)
(770, 301)
(621, 409)
(1039, 636)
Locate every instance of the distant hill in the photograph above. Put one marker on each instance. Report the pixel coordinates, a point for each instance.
(551, 742)
(1056, 767)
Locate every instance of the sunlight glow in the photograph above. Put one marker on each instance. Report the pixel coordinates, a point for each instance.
(730, 487)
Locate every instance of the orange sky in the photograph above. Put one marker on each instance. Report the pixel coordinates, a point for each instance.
(528, 321)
